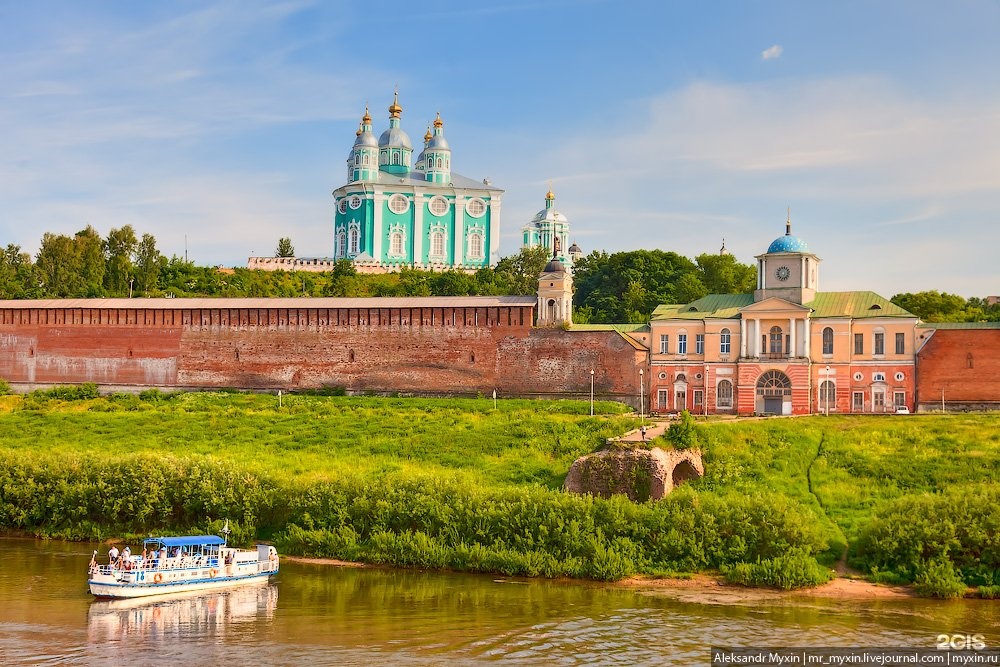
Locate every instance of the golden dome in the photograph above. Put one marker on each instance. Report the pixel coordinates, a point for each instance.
(428, 136)
(437, 121)
(549, 195)
(394, 108)
(358, 133)
(366, 119)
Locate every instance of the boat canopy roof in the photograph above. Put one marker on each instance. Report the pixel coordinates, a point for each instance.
(187, 540)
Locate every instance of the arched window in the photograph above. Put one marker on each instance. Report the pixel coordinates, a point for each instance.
(364, 159)
(439, 163)
(777, 340)
(395, 157)
(396, 244)
(437, 244)
(774, 383)
(828, 341)
(354, 240)
(476, 246)
(341, 248)
(724, 342)
(724, 393)
(827, 396)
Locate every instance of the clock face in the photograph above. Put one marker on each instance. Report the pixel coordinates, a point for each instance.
(782, 273)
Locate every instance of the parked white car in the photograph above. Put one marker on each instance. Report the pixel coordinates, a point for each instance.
(902, 410)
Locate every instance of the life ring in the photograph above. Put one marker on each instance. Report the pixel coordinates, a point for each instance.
(213, 572)
(157, 578)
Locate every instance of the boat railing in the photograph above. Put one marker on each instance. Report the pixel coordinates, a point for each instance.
(140, 564)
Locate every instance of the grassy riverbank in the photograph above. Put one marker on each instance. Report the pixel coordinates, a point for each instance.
(459, 484)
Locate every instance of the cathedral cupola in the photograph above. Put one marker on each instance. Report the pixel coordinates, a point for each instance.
(438, 155)
(362, 163)
(420, 163)
(394, 145)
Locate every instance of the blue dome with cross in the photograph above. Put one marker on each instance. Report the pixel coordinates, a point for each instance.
(788, 243)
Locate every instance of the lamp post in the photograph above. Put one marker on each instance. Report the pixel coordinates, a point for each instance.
(591, 392)
(642, 418)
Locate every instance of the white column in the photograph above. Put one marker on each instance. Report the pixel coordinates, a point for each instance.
(756, 337)
(459, 229)
(744, 328)
(791, 336)
(494, 229)
(417, 242)
(376, 240)
(805, 337)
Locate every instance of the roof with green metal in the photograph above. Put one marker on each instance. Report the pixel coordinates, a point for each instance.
(716, 306)
(857, 305)
(621, 328)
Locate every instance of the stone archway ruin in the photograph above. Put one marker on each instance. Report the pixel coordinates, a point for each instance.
(640, 474)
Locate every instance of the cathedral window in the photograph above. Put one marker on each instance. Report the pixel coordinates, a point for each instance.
(438, 205)
(439, 163)
(341, 245)
(364, 160)
(475, 207)
(354, 240)
(437, 244)
(398, 203)
(827, 340)
(396, 244)
(342, 205)
(394, 157)
(475, 245)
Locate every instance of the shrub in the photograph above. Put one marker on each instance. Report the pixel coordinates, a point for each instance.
(78, 392)
(796, 569)
(988, 592)
(4, 387)
(938, 579)
(683, 433)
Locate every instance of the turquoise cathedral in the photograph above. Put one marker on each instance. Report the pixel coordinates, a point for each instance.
(390, 215)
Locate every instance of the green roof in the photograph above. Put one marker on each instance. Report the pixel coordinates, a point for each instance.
(858, 305)
(715, 306)
(620, 328)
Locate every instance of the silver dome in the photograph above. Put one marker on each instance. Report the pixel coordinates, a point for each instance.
(395, 136)
(438, 143)
(366, 139)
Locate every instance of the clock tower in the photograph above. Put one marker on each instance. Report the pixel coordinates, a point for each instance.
(787, 270)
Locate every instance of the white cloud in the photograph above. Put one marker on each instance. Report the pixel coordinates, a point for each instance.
(771, 52)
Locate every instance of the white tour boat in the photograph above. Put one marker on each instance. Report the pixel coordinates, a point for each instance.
(181, 564)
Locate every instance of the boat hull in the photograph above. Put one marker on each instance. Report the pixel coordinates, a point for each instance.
(102, 588)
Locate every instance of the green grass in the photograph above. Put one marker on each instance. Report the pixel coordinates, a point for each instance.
(458, 484)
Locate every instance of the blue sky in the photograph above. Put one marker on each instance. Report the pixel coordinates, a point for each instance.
(660, 124)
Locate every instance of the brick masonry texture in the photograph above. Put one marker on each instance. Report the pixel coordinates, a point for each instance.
(962, 363)
(412, 350)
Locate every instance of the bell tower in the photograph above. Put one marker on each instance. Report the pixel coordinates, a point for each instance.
(555, 293)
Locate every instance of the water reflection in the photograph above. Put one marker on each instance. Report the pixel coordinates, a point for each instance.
(181, 615)
(348, 616)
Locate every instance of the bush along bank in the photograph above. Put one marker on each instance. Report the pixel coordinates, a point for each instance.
(943, 543)
(417, 520)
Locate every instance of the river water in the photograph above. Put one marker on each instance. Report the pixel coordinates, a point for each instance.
(317, 614)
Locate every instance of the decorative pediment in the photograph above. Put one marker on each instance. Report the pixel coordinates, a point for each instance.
(774, 305)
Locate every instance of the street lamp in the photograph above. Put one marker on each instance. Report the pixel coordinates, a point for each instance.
(642, 418)
(591, 392)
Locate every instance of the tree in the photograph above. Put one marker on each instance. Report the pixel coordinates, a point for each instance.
(147, 263)
(285, 248)
(119, 248)
(17, 274)
(933, 306)
(518, 274)
(722, 274)
(59, 267)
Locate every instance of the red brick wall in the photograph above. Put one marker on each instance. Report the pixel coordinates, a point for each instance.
(421, 350)
(944, 364)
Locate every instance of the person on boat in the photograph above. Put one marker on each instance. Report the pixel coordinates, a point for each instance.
(127, 558)
(163, 553)
(113, 555)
